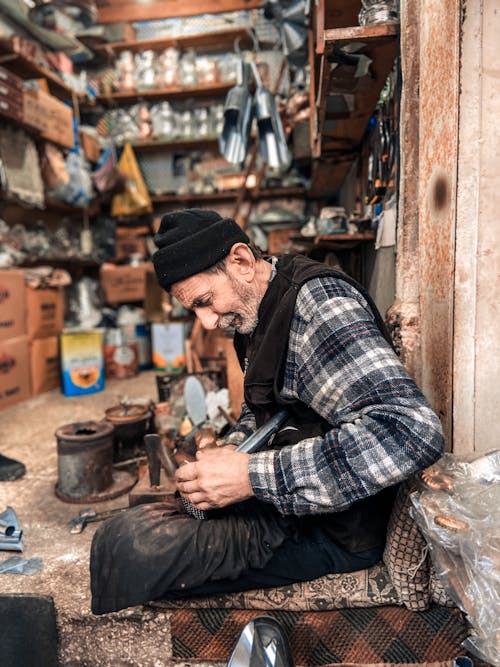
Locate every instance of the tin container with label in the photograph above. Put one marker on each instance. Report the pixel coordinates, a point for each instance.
(82, 362)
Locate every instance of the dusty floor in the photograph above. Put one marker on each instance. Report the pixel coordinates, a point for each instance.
(135, 637)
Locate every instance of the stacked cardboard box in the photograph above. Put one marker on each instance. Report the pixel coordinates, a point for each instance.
(44, 323)
(14, 343)
(30, 323)
(124, 284)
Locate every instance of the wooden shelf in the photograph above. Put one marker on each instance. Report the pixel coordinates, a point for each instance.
(132, 96)
(79, 262)
(218, 41)
(113, 11)
(342, 102)
(204, 143)
(334, 240)
(51, 208)
(228, 195)
(27, 69)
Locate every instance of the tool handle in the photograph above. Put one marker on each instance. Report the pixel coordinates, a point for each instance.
(262, 435)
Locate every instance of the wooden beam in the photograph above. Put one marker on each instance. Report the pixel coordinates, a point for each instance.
(115, 11)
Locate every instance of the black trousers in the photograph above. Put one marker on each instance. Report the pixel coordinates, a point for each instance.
(157, 551)
(302, 558)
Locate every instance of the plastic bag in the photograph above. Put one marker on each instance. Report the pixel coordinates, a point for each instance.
(458, 511)
(135, 199)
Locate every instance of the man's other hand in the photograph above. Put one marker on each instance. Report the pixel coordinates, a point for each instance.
(219, 477)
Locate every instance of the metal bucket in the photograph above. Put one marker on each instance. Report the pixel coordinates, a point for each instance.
(85, 460)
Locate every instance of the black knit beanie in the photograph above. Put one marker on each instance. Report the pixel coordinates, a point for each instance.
(192, 241)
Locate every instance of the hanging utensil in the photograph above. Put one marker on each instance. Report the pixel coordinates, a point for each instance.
(237, 118)
(272, 143)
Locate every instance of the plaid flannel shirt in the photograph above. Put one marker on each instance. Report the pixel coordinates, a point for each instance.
(383, 430)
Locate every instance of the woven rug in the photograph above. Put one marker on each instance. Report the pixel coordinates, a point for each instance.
(365, 635)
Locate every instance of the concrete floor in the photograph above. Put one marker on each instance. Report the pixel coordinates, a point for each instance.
(134, 637)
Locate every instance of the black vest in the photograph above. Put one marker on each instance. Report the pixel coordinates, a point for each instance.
(263, 353)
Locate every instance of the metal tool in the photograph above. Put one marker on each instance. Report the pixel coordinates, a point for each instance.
(89, 515)
(160, 483)
(10, 531)
(158, 456)
(249, 446)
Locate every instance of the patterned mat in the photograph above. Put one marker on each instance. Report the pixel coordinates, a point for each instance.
(367, 635)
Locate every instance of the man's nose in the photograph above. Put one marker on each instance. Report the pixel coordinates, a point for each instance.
(207, 317)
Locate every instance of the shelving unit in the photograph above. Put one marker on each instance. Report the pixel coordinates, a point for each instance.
(223, 40)
(178, 92)
(335, 129)
(27, 69)
(228, 195)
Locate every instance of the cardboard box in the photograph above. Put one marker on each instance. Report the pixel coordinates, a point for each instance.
(51, 117)
(90, 145)
(123, 284)
(126, 246)
(45, 367)
(14, 371)
(167, 345)
(12, 304)
(44, 312)
(82, 362)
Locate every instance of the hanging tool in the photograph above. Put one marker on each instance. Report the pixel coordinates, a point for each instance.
(237, 118)
(272, 141)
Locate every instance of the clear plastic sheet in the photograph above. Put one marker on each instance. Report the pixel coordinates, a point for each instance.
(19, 565)
(458, 510)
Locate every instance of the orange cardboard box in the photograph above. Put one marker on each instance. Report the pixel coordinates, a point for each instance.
(12, 304)
(125, 246)
(14, 371)
(122, 284)
(90, 145)
(45, 367)
(44, 312)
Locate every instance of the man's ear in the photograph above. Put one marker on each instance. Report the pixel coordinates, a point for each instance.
(241, 261)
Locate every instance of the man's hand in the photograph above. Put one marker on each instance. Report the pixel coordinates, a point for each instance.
(219, 477)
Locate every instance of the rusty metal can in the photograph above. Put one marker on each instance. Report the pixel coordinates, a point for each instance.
(85, 459)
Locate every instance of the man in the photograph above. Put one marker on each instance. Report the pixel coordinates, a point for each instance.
(318, 499)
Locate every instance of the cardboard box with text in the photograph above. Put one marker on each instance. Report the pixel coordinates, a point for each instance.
(45, 367)
(14, 371)
(44, 312)
(12, 304)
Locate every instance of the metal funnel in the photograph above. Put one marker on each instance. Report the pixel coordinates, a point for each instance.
(237, 118)
(262, 643)
(272, 141)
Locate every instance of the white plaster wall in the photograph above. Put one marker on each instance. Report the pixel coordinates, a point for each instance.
(476, 373)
